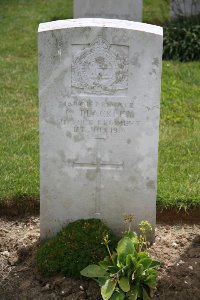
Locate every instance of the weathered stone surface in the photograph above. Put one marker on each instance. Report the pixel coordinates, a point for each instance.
(184, 8)
(110, 9)
(99, 121)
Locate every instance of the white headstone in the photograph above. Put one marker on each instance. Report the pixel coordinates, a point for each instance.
(99, 121)
(184, 8)
(111, 9)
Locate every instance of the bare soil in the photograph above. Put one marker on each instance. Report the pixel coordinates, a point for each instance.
(176, 246)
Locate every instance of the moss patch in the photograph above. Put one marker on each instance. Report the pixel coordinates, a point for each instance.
(74, 247)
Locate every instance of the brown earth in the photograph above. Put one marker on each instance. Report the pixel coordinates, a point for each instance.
(176, 246)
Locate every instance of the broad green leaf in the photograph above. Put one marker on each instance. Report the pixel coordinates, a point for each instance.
(145, 295)
(93, 271)
(152, 272)
(108, 288)
(104, 264)
(146, 262)
(140, 292)
(125, 247)
(114, 258)
(131, 261)
(151, 281)
(124, 284)
(139, 270)
(118, 295)
(134, 238)
(151, 292)
(133, 293)
(142, 255)
(155, 264)
(132, 297)
(101, 281)
(131, 235)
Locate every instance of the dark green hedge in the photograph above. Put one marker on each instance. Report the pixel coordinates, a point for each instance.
(182, 39)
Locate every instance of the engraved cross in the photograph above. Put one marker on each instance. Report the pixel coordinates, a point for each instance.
(98, 165)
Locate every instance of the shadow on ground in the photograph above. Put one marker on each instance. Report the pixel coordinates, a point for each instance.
(19, 205)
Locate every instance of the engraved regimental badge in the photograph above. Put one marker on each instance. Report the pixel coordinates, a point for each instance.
(100, 69)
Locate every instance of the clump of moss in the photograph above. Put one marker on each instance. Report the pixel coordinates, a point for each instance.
(74, 247)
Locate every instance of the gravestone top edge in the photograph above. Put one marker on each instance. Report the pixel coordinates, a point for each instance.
(97, 22)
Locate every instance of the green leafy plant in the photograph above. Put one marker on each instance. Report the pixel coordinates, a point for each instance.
(182, 39)
(73, 248)
(129, 273)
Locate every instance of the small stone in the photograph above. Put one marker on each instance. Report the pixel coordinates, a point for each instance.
(191, 268)
(45, 288)
(81, 288)
(5, 253)
(175, 245)
(13, 260)
(170, 265)
(181, 262)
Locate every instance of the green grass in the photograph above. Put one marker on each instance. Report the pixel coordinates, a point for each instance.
(178, 180)
(179, 163)
(19, 144)
(155, 11)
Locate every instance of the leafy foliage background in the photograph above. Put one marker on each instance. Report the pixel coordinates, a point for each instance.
(182, 39)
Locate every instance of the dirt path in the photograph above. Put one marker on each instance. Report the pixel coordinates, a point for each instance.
(178, 247)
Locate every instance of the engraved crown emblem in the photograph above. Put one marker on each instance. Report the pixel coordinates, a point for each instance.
(98, 69)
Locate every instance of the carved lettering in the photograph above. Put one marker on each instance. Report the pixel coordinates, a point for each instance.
(105, 117)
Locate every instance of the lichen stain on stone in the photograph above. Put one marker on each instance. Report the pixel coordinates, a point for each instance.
(62, 155)
(135, 60)
(153, 72)
(78, 138)
(119, 37)
(85, 31)
(150, 184)
(132, 179)
(51, 120)
(91, 175)
(70, 161)
(68, 134)
(155, 62)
